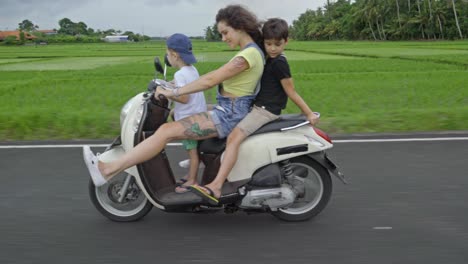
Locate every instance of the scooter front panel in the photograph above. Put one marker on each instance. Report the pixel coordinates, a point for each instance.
(127, 132)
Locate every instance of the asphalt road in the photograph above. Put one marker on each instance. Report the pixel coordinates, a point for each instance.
(407, 202)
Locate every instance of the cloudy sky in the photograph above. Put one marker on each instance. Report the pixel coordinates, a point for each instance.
(150, 17)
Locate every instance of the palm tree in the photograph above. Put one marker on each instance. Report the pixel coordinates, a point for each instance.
(384, 10)
(421, 19)
(368, 16)
(456, 19)
(374, 8)
(439, 13)
(430, 8)
(431, 18)
(398, 13)
(365, 14)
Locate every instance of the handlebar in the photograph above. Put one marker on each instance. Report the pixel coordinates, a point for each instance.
(153, 84)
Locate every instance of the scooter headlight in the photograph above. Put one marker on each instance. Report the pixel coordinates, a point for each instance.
(138, 116)
(124, 111)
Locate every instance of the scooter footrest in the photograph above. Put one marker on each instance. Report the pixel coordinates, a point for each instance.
(181, 199)
(229, 198)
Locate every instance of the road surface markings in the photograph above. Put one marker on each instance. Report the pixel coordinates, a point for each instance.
(382, 228)
(31, 146)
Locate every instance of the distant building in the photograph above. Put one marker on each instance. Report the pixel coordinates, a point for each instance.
(116, 38)
(48, 32)
(16, 33)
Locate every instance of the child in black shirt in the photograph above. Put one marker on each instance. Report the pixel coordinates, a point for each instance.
(276, 87)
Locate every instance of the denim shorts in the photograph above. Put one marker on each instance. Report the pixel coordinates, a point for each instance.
(229, 112)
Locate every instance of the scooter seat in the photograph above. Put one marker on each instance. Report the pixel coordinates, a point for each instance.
(283, 121)
(217, 145)
(212, 145)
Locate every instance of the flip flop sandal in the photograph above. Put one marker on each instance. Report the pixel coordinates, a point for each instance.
(206, 197)
(180, 182)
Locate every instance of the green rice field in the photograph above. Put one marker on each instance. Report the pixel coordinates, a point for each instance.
(76, 91)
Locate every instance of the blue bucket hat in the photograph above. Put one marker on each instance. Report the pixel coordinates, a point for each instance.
(182, 45)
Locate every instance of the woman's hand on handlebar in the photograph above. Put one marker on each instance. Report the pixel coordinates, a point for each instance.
(160, 90)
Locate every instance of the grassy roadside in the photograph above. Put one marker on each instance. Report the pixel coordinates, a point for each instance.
(76, 91)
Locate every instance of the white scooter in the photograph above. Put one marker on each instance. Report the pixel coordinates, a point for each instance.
(282, 169)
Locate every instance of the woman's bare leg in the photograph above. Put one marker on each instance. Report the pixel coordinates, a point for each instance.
(196, 127)
(234, 141)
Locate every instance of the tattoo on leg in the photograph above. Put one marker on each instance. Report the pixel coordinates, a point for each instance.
(192, 128)
(201, 132)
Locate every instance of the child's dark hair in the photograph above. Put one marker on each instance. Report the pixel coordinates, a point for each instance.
(275, 28)
(240, 18)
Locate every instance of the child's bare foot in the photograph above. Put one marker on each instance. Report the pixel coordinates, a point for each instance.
(182, 188)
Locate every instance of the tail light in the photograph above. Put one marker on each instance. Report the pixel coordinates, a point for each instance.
(322, 134)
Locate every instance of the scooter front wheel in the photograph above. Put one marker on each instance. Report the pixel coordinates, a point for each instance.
(317, 191)
(108, 199)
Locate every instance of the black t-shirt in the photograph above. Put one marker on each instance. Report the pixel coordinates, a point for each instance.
(272, 95)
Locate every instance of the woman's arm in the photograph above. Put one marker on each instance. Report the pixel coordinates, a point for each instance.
(211, 79)
(183, 99)
(288, 86)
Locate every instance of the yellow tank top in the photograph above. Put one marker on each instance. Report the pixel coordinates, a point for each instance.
(246, 82)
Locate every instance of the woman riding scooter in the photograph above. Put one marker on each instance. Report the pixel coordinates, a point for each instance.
(240, 78)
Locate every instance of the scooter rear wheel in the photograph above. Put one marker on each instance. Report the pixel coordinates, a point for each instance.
(318, 189)
(106, 200)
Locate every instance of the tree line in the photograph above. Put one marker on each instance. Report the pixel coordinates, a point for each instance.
(384, 20)
(68, 27)
(378, 20)
(336, 20)
(69, 32)
(212, 34)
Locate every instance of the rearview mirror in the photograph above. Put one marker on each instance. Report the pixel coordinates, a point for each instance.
(166, 61)
(157, 65)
